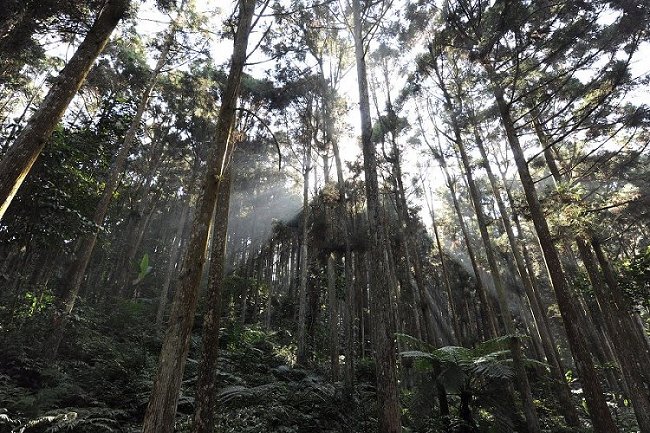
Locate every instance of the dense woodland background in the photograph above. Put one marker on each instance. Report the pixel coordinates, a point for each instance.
(324, 216)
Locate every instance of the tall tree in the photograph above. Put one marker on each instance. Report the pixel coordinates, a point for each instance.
(532, 420)
(20, 157)
(161, 410)
(532, 291)
(383, 326)
(304, 246)
(86, 244)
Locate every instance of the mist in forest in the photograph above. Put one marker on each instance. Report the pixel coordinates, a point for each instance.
(255, 212)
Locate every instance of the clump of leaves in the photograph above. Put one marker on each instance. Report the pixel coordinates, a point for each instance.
(478, 376)
(636, 278)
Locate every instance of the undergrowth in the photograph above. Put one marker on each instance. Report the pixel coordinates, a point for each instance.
(102, 378)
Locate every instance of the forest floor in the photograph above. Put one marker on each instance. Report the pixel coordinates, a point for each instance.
(103, 375)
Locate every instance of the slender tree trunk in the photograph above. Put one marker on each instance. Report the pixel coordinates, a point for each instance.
(272, 271)
(550, 350)
(348, 310)
(487, 315)
(171, 265)
(532, 420)
(204, 416)
(409, 250)
(383, 324)
(443, 404)
(445, 273)
(160, 414)
(465, 412)
(528, 261)
(602, 418)
(178, 245)
(304, 253)
(333, 301)
(20, 157)
(140, 230)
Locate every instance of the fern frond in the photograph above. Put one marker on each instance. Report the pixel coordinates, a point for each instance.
(492, 371)
(414, 342)
(496, 344)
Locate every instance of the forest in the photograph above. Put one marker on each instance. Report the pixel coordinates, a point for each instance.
(293, 216)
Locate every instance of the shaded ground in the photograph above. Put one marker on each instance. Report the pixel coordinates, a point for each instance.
(102, 379)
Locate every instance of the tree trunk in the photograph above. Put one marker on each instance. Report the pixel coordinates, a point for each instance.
(458, 335)
(625, 352)
(333, 301)
(171, 265)
(409, 250)
(550, 350)
(532, 420)
(20, 157)
(602, 418)
(383, 325)
(487, 315)
(161, 410)
(204, 416)
(304, 253)
(77, 271)
(627, 316)
(348, 310)
(626, 348)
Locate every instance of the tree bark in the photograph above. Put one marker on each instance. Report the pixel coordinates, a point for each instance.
(205, 398)
(383, 325)
(304, 253)
(24, 152)
(161, 410)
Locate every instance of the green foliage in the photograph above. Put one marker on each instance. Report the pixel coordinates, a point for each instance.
(102, 375)
(80, 421)
(143, 269)
(636, 278)
(486, 362)
(483, 372)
